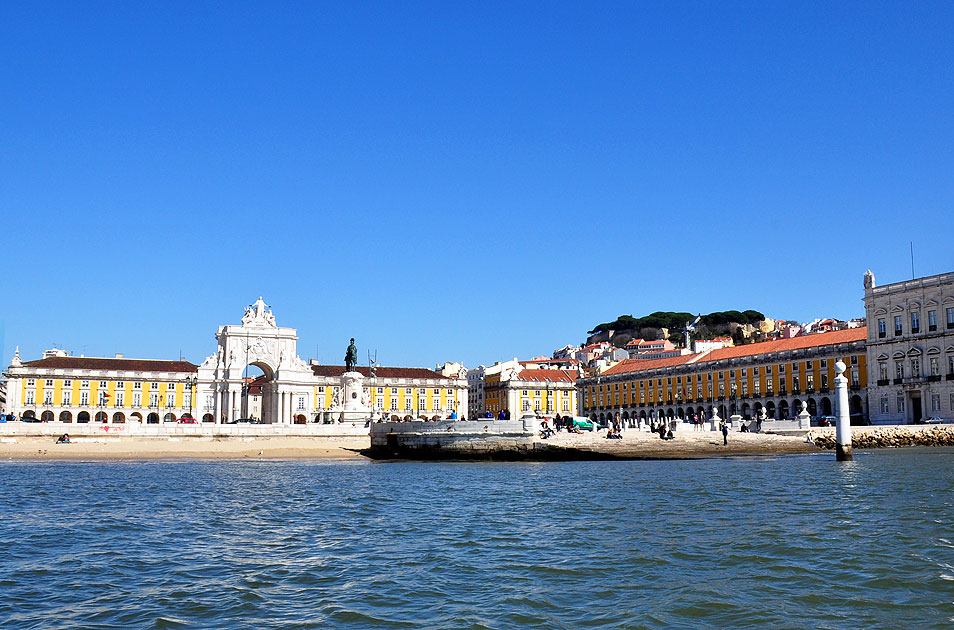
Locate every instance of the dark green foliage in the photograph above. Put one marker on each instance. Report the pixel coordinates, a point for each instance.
(676, 322)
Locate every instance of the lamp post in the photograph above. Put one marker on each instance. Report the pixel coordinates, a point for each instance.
(190, 383)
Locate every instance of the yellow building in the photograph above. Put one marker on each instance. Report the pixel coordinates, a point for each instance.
(545, 392)
(777, 376)
(61, 388)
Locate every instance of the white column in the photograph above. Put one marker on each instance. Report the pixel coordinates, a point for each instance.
(842, 418)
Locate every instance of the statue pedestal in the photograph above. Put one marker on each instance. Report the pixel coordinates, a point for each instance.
(352, 392)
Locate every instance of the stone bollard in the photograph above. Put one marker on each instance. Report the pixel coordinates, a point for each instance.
(714, 420)
(843, 420)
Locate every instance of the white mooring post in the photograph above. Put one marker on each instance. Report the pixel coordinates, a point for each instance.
(843, 420)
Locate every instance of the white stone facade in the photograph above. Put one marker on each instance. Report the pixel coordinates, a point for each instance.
(910, 349)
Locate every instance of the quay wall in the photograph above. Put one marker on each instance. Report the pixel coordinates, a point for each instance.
(453, 439)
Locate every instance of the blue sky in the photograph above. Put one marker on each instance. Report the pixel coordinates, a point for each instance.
(460, 181)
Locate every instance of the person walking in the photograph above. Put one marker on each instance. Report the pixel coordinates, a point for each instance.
(725, 432)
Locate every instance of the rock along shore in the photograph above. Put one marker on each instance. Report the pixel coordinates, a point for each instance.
(888, 437)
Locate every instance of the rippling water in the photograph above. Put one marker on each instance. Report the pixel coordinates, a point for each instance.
(794, 542)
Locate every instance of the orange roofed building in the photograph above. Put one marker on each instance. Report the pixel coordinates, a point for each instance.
(778, 376)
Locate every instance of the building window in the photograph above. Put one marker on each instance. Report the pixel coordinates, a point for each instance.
(137, 385)
(745, 388)
(882, 328)
(882, 371)
(67, 383)
(47, 397)
(935, 402)
(932, 320)
(137, 400)
(30, 397)
(435, 403)
(950, 317)
(898, 369)
(810, 380)
(379, 403)
(824, 381)
(66, 399)
(935, 370)
(49, 382)
(854, 377)
(884, 404)
(394, 404)
(757, 387)
(119, 399)
(915, 368)
(897, 325)
(301, 403)
(950, 364)
(102, 384)
(795, 382)
(170, 400)
(153, 400)
(31, 382)
(171, 386)
(900, 403)
(915, 322)
(526, 405)
(84, 384)
(421, 402)
(102, 399)
(84, 399)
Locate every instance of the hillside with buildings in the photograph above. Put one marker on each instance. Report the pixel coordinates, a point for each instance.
(663, 325)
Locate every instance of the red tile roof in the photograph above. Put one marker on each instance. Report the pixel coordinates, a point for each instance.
(638, 365)
(119, 365)
(779, 345)
(783, 345)
(554, 376)
(381, 372)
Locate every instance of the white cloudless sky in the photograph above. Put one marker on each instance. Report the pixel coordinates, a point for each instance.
(468, 183)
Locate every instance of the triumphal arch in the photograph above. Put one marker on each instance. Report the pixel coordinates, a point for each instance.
(260, 342)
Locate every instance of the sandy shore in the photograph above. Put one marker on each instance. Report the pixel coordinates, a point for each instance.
(185, 448)
(684, 445)
(634, 445)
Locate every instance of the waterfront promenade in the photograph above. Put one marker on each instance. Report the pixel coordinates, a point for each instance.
(347, 441)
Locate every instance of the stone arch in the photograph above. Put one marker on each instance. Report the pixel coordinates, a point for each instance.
(796, 406)
(825, 403)
(783, 409)
(301, 419)
(680, 412)
(169, 417)
(722, 411)
(770, 409)
(812, 407)
(152, 418)
(101, 416)
(208, 418)
(66, 416)
(47, 416)
(626, 415)
(746, 411)
(135, 417)
(119, 418)
(642, 415)
(29, 413)
(756, 407)
(82, 417)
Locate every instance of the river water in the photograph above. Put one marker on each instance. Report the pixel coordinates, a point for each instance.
(789, 542)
